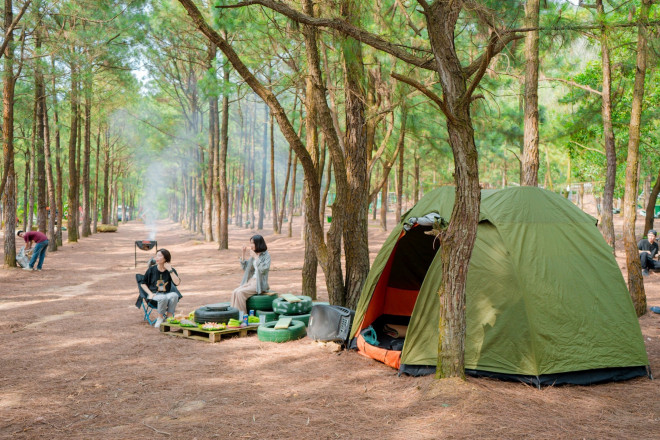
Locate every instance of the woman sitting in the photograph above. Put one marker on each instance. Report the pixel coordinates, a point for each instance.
(255, 276)
(161, 279)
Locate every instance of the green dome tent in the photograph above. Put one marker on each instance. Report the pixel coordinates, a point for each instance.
(545, 300)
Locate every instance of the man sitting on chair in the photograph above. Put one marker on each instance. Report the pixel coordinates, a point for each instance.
(648, 249)
(161, 280)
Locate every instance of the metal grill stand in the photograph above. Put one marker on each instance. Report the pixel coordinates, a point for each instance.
(144, 245)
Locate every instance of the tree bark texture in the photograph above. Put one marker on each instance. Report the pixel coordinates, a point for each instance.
(223, 235)
(606, 224)
(42, 214)
(210, 169)
(384, 202)
(530, 159)
(87, 149)
(59, 193)
(52, 237)
(264, 171)
(291, 198)
(106, 180)
(635, 280)
(280, 220)
(457, 240)
(399, 180)
(72, 218)
(8, 187)
(356, 246)
(273, 186)
(650, 206)
(97, 164)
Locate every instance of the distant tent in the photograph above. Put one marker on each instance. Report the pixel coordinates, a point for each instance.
(546, 301)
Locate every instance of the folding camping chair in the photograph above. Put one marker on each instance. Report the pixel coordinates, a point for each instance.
(143, 301)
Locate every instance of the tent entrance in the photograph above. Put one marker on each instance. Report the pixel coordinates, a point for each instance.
(396, 291)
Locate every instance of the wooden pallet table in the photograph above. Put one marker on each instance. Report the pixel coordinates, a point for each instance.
(205, 335)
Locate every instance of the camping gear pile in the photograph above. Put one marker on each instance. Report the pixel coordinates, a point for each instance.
(545, 300)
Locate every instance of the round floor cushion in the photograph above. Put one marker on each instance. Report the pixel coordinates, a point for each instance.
(283, 307)
(204, 314)
(260, 302)
(267, 333)
(303, 318)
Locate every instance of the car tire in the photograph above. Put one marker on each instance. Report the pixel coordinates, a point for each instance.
(260, 302)
(283, 307)
(266, 332)
(204, 314)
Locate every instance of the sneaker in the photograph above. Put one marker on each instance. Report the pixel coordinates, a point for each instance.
(27, 268)
(159, 321)
(645, 272)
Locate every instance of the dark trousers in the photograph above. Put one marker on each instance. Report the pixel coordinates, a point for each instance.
(648, 262)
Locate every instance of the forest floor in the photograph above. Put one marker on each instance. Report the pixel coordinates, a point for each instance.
(78, 362)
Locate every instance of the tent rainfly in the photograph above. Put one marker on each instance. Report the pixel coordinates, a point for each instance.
(545, 300)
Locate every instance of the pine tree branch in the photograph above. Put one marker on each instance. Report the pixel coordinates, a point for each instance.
(435, 98)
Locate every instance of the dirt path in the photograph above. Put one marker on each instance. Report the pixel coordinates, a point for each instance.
(78, 362)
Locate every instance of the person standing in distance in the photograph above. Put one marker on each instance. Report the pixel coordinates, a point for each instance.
(39, 249)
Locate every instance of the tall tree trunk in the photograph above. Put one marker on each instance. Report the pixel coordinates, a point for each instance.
(210, 169)
(310, 260)
(105, 219)
(273, 186)
(42, 214)
(8, 186)
(251, 168)
(264, 171)
(416, 178)
(223, 236)
(635, 280)
(59, 193)
(326, 191)
(384, 203)
(72, 223)
(95, 211)
(650, 206)
(530, 159)
(292, 197)
(31, 186)
(399, 185)
(280, 220)
(87, 218)
(606, 224)
(79, 168)
(457, 241)
(356, 246)
(52, 217)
